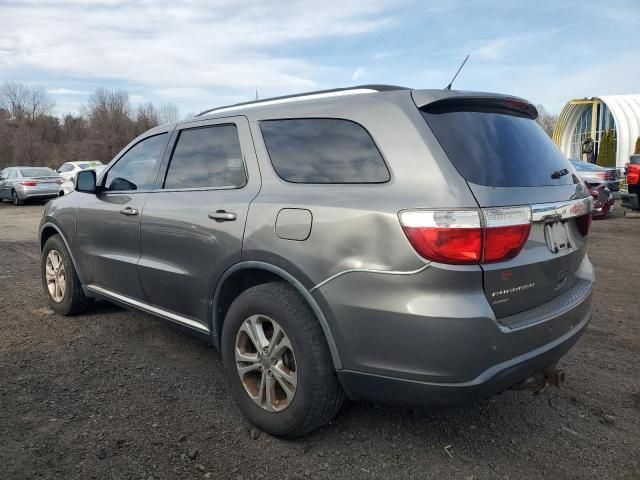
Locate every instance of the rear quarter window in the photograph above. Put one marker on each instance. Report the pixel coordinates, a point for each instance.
(498, 149)
(323, 150)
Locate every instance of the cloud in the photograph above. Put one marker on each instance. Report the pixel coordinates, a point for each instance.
(489, 49)
(358, 73)
(66, 91)
(218, 45)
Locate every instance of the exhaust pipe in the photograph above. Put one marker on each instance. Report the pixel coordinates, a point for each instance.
(541, 380)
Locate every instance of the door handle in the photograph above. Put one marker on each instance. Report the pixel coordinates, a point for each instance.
(129, 212)
(222, 216)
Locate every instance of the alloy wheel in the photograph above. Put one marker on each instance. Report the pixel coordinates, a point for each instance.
(266, 363)
(55, 275)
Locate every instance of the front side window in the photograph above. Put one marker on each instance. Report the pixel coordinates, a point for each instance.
(137, 169)
(207, 157)
(67, 167)
(323, 150)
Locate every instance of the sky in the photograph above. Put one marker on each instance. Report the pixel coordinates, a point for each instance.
(205, 53)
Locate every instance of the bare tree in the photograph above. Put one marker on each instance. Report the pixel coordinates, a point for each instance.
(31, 135)
(39, 103)
(146, 118)
(24, 102)
(169, 113)
(546, 120)
(13, 99)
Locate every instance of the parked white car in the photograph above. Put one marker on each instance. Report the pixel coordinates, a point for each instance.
(69, 171)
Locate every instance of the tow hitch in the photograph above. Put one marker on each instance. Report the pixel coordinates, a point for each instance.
(541, 380)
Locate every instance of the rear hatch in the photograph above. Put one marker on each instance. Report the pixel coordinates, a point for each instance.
(509, 161)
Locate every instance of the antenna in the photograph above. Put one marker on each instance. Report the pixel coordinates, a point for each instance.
(256, 93)
(448, 87)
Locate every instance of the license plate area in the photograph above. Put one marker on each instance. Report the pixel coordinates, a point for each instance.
(558, 236)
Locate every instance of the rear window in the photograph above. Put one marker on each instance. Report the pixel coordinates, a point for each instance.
(498, 149)
(37, 172)
(323, 150)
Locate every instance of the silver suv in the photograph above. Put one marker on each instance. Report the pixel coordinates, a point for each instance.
(407, 246)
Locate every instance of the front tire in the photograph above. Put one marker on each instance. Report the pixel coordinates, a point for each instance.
(278, 363)
(60, 280)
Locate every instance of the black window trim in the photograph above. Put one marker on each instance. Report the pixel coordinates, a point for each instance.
(103, 175)
(160, 185)
(375, 144)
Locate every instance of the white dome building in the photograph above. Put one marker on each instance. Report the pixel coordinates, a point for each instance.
(590, 117)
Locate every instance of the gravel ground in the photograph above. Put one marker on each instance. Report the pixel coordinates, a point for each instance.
(116, 394)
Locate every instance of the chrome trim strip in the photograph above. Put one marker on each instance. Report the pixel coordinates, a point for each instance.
(555, 211)
(149, 308)
(301, 98)
(368, 270)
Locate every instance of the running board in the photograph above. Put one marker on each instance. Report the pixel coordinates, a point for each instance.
(148, 308)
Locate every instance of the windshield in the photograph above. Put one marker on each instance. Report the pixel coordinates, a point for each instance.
(37, 172)
(498, 149)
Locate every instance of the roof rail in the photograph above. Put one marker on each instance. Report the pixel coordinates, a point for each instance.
(335, 92)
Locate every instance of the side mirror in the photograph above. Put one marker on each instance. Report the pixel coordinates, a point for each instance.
(86, 181)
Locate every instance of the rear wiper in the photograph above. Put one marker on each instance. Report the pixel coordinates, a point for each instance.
(559, 173)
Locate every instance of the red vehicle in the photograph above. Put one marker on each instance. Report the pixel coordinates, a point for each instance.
(602, 201)
(632, 199)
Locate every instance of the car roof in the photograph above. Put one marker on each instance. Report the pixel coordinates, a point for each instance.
(342, 96)
(30, 166)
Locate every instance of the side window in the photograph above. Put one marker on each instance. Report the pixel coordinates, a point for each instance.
(67, 167)
(207, 157)
(137, 169)
(323, 150)
(12, 174)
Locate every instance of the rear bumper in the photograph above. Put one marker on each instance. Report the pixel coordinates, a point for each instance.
(26, 193)
(398, 391)
(431, 338)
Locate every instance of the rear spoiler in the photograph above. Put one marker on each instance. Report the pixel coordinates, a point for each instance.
(435, 101)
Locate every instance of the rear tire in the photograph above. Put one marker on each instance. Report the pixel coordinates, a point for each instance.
(60, 280)
(277, 309)
(17, 201)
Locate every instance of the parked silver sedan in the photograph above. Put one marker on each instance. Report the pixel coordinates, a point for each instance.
(23, 183)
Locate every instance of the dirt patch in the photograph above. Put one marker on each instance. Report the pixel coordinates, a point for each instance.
(116, 394)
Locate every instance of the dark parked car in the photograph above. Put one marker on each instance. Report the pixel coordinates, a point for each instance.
(597, 175)
(403, 246)
(19, 184)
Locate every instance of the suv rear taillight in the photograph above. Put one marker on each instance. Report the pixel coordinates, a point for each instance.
(443, 235)
(459, 237)
(506, 232)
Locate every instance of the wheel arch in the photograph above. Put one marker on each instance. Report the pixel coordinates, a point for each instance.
(47, 231)
(247, 274)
